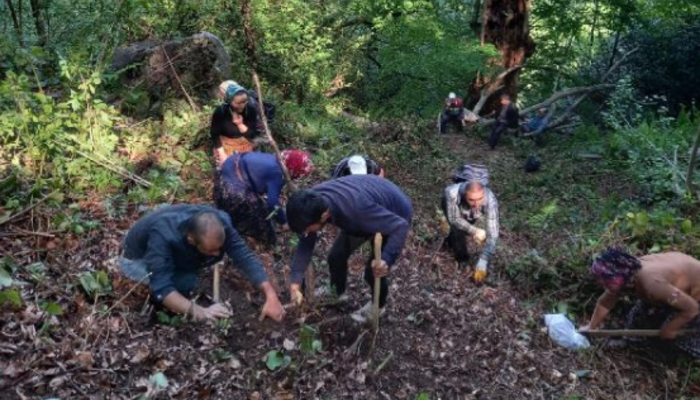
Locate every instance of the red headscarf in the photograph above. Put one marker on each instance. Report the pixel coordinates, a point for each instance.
(298, 163)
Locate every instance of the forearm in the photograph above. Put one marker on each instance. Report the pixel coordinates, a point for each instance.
(602, 308)
(269, 291)
(178, 303)
(679, 320)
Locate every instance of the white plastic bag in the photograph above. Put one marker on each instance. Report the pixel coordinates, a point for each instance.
(564, 333)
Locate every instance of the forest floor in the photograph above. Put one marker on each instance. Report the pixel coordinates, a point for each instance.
(443, 337)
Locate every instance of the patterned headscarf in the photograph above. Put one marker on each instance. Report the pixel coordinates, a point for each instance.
(223, 86)
(231, 91)
(614, 267)
(298, 163)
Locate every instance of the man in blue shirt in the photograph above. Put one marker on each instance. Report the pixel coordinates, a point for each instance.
(167, 248)
(360, 206)
(536, 124)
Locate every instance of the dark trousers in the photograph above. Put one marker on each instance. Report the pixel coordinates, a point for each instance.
(496, 133)
(342, 249)
(457, 239)
(450, 119)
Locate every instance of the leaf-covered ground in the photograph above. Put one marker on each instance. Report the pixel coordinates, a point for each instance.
(442, 338)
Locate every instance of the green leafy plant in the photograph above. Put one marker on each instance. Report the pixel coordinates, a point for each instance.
(224, 325)
(221, 355)
(11, 297)
(275, 360)
(96, 283)
(308, 342)
(167, 319)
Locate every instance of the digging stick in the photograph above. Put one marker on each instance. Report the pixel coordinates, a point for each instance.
(633, 332)
(377, 280)
(217, 282)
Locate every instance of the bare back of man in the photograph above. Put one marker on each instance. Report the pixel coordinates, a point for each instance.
(678, 270)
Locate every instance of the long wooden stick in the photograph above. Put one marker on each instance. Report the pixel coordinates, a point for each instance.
(25, 210)
(268, 133)
(217, 282)
(633, 332)
(377, 280)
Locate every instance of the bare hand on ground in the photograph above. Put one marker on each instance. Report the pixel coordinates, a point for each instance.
(214, 311)
(272, 309)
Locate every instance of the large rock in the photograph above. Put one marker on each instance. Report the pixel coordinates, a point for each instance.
(200, 61)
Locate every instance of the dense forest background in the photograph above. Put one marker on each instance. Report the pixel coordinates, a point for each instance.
(84, 144)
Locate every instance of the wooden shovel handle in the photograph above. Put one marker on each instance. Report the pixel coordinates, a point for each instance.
(217, 283)
(377, 280)
(633, 332)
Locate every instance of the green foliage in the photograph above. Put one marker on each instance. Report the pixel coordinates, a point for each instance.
(224, 325)
(220, 355)
(423, 396)
(96, 283)
(73, 221)
(308, 342)
(158, 380)
(277, 359)
(167, 319)
(11, 297)
(423, 59)
(58, 141)
(543, 218)
(52, 308)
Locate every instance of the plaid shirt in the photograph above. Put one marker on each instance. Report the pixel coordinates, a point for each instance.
(463, 217)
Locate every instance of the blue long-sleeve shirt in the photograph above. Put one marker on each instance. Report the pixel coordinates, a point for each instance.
(264, 176)
(159, 240)
(361, 205)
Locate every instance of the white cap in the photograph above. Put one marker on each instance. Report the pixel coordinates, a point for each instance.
(357, 165)
(452, 95)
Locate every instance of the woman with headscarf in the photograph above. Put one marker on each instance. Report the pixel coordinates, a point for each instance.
(249, 187)
(668, 287)
(234, 123)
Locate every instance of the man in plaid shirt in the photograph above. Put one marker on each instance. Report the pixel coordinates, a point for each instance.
(466, 204)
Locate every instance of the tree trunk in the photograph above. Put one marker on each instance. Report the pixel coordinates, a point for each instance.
(508, 29)
(38, 22)
(476, 12)
(505, 25)
(15, 22)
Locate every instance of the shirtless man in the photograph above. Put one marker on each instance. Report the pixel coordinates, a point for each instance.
(670, 281)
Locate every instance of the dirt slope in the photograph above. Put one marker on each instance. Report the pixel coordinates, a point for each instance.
(442, 337)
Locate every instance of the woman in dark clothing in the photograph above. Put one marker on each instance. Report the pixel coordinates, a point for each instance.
(246, 179)
(234, 124)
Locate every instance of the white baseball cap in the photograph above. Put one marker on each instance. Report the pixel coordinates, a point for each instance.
(357, 165)
(452, 95)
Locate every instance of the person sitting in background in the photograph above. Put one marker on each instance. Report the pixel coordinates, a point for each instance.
(668, 287)
(508, 120)
(167, 249)
(357, 165)
(360, 206)
(234, 124)
(465, 204)
(246, 179)
(536, 124)
(453, 113)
